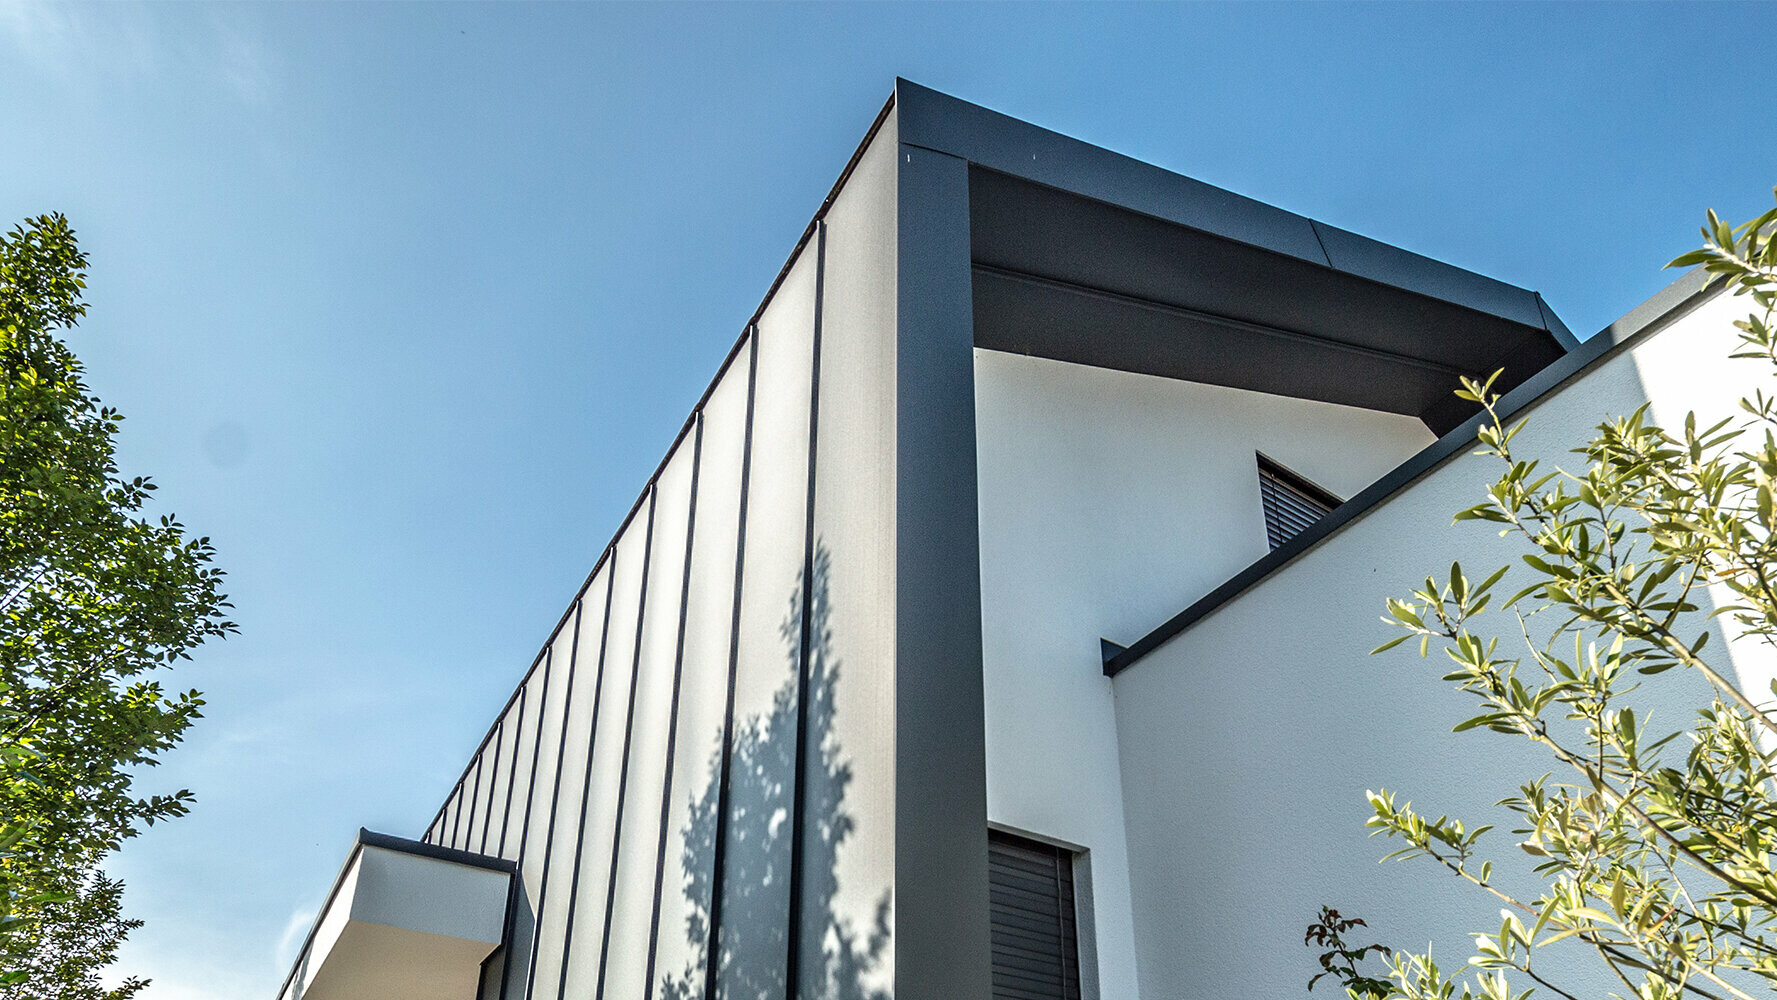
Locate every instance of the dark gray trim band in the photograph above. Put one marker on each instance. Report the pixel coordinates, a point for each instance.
(487, 822)
(629, 728)
(524, 693)
(598, 700)
(799, 763)
(940, 860)
(561, 750)
(719, 851)
(369, 838)
(530, 800)
(1641, 322)
(474, 801)
(672, 725)
(936, 121)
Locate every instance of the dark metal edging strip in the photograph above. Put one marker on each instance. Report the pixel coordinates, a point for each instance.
(567, 710)
(629, 725)
(474, 802)
(530, 798)
(1641, 322)
(487, 822)
(512, 775)
(719, 852)
(672, 726)
(598, 700)
(799, 776)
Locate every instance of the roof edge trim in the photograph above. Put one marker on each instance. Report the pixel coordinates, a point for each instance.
(940, 122)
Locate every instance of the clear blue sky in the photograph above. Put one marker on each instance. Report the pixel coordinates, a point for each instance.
(404, 303)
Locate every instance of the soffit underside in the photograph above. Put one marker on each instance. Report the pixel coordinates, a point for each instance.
(1066, 277)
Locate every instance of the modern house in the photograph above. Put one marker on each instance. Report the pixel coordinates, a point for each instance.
(997, 624)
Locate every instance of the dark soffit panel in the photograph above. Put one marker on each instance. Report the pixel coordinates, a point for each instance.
(1067, 277)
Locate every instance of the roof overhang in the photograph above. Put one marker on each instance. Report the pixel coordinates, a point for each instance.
(1084, 255)
(404, 921)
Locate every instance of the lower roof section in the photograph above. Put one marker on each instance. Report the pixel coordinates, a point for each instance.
(404, 921)
(1642, 321)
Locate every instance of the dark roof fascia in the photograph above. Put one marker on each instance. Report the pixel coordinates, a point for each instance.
(1641, 322)
(934, 120)
(368, 838)
(437, 852)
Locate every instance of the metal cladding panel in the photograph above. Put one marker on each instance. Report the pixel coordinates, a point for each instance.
(751, 935)
(630, 922)
(448, 818)
(846, 876)
(521, 768)
(562, 832)
(500, 763)
(585, 882)
(439, 831)
(475, 827)
(681, 955)
(523, 717)
(531, 833)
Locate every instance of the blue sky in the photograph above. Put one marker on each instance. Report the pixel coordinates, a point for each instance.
(403, 303)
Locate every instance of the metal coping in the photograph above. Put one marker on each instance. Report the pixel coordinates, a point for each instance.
(1641, 322)
(986, 138)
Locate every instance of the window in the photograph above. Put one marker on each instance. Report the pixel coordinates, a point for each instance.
(1036, 948)
(1291, 502)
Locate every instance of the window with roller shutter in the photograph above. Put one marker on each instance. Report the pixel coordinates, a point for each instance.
(1291, 503)
(1036, 951)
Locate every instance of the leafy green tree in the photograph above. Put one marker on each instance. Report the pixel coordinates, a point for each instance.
(95, 596)
(72, 942)
(1655, 848)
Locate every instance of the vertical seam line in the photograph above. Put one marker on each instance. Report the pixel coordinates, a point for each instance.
(672, 726)
(713, 953)
(567, 709)
(629, 722)
(793, 958)
(598, 699)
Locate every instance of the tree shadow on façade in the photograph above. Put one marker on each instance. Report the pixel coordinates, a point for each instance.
(751, 961)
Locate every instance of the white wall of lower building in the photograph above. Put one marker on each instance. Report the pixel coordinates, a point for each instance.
(1110, 501)
(1248, 741)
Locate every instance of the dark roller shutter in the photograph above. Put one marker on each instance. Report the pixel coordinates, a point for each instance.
(1291, 502)
(1036, 951)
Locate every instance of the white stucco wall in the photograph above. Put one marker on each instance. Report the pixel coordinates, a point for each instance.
(1109, 501)
(1248, 741)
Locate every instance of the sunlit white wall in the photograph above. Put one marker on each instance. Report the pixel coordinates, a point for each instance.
(1248, 741)
(1109, 502)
